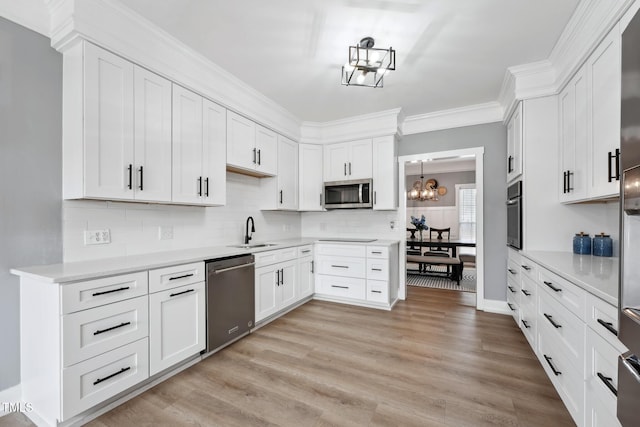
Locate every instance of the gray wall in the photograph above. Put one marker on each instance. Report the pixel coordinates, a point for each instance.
(493, 137)
(30, 172)
(447, 180)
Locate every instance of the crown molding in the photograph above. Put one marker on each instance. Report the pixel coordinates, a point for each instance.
(454, 118)
(372, 125)
(113, 26)
(31, 15)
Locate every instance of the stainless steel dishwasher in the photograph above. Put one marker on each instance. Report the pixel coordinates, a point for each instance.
(230, 300)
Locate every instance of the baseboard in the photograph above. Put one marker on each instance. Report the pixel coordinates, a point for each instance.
(495, 306)
(12, 395)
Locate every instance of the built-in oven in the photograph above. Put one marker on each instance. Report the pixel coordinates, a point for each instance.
(348, 194)
(514, 215)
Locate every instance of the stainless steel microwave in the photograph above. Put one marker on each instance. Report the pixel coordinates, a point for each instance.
(352, 194)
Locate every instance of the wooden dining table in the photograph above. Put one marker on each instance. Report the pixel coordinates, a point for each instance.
(454, 244)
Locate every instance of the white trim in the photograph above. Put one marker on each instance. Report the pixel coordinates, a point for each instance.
(10, 395)
(478, 152)
(453, 118)
(372, 125)
(495, 306)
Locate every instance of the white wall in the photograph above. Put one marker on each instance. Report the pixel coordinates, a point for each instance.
(135, 226)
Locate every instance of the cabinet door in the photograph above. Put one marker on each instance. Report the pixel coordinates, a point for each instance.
(385, 174)
(266, 151)
(187, 146)
(287, 288)
(214, 153)
(177, 324)
(152, 138)
(604, 69)
(310, 177)
(360, 164)
(108, 125)
(266, 285)
(305, 284)
(514, 145)
(335, 162)
(287, 174)
(241, 141)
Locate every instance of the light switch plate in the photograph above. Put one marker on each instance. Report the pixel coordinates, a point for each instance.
(97, 237)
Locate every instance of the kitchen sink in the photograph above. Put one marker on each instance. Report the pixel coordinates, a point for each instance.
(253, 245)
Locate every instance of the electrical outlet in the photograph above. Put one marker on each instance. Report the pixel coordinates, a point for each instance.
(97, 237)
(392, 224)
(165, 232)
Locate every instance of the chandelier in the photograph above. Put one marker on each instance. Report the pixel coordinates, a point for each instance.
(367, 65)
(422, 190)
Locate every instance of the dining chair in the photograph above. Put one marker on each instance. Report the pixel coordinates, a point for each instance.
(440, 251)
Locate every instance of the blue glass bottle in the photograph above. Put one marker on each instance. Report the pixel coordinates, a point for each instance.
(582, 244)
(602, 245)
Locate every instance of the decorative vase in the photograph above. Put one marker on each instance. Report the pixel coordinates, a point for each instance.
(602, 245)
(582, 244)
(420, 231)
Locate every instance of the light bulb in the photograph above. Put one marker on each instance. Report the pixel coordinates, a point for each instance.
(360, 79)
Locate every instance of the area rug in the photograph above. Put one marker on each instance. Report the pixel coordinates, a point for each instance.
(467, 284)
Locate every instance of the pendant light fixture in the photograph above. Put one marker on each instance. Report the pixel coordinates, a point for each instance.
(422, 190)
(367, 65)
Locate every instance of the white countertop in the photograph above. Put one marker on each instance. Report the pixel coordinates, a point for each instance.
(84, 270)
(596, 275)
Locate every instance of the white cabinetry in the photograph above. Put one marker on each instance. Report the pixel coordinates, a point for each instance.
(305, 285)
(276, 277)
(117, 128)
(514, 144)
(310, 183)
(348, 160)
(198, 149)
(281, 191)
(251, 148)
(385, 173)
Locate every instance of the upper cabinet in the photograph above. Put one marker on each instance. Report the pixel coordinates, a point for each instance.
(117, 128)
(348, 160)
(281, 191)
(310, 183)
(385, 173)
(514, 144)
(199, 146)
(251, 148)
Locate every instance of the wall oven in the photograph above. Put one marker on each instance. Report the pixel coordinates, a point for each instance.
(514, 215)
(348, 194)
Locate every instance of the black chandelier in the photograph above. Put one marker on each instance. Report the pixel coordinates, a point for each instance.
(367, 65)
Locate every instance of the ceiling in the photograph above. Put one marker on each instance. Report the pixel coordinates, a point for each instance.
(450, 54)
(453, 164)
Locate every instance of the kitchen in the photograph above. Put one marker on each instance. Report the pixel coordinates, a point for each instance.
(141, 228)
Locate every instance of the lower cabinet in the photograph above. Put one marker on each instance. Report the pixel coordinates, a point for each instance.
(305, 286)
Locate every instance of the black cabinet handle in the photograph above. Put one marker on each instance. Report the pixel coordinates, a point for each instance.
(180, 277)
(345, 169)
(111, 291)
(527, 293)
(181, 293)
(130, 169)
(564, 182)
(306, 251)
(141, 179)
(341, 287)
(613, 157)
(254, 156)
(608, 381)
(206, 187)
(349, 168)
(312, 266)
(553, 368)
(376, 292)
(511, 271)
(375, 197)
(617, 164)
(277, 277)
(511, 306)
(99, 380)
(259, 157)
(282, 276)
(376, 252)
(280, 196)
(102, 331)
(200, 186)
(339, 266)
(525, 323)
(550, 319)
(526, 267)
(569, 187)
(376, 269)
(550, 285)
(513, 291)
(608, 326)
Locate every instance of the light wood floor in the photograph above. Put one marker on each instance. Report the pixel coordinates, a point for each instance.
(432, 361)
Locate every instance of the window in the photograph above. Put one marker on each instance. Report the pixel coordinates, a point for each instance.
(466, 203)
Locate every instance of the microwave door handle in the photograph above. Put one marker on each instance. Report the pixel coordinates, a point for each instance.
(511, 202)
(360, 192)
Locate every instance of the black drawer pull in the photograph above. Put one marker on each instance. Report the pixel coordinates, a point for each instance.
(511, 271)
(111, 291)
(99, 380)
(181, 293)
(511, 306)
(526, 267)
(341, 287)
(306, 251)
(339, 266)
(376, 269)
(376, 252)
(608, 326)
(377, 292)
(527, 293)
(549, 284)
(180, 277)
(525, 323)
(553, 368)
(550, 319)
(102, 331)
(609, 383)
(511, 289)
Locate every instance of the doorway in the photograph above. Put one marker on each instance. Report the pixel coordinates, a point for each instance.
(473, 154)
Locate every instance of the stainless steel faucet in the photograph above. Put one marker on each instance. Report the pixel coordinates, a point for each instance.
(246, 230)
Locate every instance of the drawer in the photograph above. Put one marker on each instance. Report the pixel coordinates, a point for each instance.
(598, 415)
(564, 326)
(161, 279)
(344, 287)
(514, 307)
(513, 289)
(95, 380)
(378, 252)
(92, 332)
(567, 379)
(602, 370)
(275, 256)
(341, 250)
(602, 317)
(529, 268)
(568, 294)
(513, 270)
(528, 293)
(378, 269)
(378, 291)
(341, 266)
(93, 293)
(306, 250)
(528, 323)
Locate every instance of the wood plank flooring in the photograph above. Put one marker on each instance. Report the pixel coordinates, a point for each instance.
(432, 361)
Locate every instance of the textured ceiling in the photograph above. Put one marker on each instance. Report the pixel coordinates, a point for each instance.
(450, 53)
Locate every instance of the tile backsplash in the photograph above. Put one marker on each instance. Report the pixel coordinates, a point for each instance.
(135, 227)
